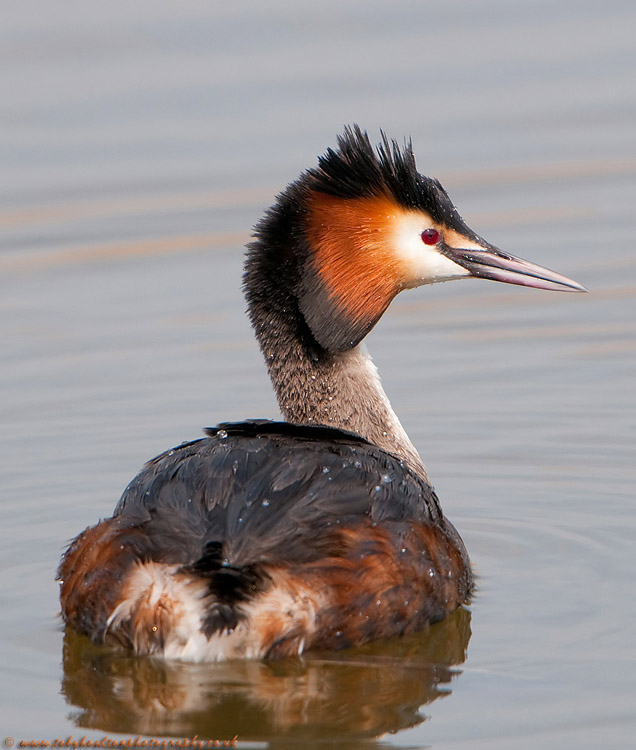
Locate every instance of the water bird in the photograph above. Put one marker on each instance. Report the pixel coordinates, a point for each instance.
(264, 539)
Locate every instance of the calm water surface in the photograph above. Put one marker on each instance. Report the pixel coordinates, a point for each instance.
(139, 144)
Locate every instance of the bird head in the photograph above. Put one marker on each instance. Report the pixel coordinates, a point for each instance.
(368, 225)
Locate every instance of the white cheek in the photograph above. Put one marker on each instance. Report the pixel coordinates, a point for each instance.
(424, 263)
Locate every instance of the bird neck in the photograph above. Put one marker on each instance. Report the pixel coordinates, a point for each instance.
(313, 385)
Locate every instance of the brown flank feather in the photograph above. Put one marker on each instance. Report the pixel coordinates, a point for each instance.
(91, 575)
(387, 582)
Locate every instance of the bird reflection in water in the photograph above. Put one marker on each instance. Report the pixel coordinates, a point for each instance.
(359, 694)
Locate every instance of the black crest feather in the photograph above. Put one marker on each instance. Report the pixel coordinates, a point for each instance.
(357, 170)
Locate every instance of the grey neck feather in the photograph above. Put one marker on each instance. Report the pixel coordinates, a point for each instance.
(314, 386)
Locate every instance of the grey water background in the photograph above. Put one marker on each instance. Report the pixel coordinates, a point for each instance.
(139, 143)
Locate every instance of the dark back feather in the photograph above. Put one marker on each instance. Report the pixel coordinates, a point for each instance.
(258, 492)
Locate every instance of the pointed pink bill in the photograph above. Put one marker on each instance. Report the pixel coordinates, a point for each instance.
(492, 263)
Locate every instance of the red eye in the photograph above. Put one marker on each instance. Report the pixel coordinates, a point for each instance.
(430, 236)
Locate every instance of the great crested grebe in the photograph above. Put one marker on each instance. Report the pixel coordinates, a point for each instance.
(265, 539)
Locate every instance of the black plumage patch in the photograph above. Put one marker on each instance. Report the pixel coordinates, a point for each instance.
(357, 170)
(256, 427)
(335, 329)
(228, 585)
(269, 492)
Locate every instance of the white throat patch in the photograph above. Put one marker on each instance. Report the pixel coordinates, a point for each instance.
(424, 263)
